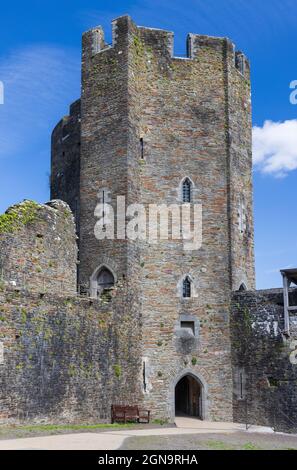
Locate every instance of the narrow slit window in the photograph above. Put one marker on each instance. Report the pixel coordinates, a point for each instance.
(187, 288)
(241, 385)
(141, 149)
(144, 376)
(187, 191)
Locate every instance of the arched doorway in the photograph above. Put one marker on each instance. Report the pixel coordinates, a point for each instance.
(188, 397)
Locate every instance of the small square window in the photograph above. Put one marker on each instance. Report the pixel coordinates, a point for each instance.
(189, 325)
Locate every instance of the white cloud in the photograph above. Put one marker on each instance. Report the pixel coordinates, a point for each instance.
(275, 147)
(39, 82)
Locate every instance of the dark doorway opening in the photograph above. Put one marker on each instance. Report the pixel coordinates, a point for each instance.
(188, 397)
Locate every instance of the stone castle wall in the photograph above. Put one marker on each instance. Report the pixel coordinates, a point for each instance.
(66, 359)
(65, 161)
(178, 106)
(264, 360)
(63, 358)
(148, 120)
(145, 121)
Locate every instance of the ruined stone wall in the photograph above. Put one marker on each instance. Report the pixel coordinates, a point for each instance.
(65, 161)
(66, 359)
(38, 249)
(264, 361)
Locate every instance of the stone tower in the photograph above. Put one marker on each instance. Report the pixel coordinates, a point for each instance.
(160, 129)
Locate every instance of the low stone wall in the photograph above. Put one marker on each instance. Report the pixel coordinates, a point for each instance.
(264, 360)
(66, 359)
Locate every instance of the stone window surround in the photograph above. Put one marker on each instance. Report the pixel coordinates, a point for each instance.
(242, 216)
(94, 276)
(190, 318)
(242, 286)
(194, 293)
(180, 189)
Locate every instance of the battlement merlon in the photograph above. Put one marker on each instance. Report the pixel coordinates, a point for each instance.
(125, 31)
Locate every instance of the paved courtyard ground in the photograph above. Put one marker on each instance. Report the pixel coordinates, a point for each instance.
(188, 434)
(235, 441)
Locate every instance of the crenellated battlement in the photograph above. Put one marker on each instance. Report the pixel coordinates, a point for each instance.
(161, 42)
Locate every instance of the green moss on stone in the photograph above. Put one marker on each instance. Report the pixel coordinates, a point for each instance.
(117, 370)
(139, 47)
(17, 216)
(24, 315)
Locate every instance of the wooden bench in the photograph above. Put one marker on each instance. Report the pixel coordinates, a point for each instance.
(124, 414)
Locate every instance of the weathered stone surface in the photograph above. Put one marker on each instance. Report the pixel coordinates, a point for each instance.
(145, 121)
(66, 359)
(262, 354)
(38, 249)
(194, 117)
(65, 162)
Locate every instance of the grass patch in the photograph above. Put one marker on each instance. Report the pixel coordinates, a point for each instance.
(34, 430)
(219, 445)
(160, 422)
(250, 446)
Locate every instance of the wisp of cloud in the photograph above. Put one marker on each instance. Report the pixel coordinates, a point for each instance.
(39, 82)
(275, 147)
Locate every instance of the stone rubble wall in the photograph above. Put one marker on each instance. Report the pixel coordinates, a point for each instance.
(266, 359)
(38, 248)
(66, 359)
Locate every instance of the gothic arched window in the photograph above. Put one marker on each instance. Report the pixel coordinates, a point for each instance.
(242, 287)
(105, 279)
(187, 190)
(187, 287)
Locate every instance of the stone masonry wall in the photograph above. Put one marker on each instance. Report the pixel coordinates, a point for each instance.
(264, 360)
(66, 359)
(148, 120)
(38, 249)
(239, 140)
(178, 107)
(104, 134)
(65, 161)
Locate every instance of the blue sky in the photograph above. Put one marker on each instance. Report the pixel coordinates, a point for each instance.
(40, 68)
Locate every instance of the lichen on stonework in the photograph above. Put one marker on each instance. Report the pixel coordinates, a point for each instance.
(18, 215)
(117, 370)
(138, 44)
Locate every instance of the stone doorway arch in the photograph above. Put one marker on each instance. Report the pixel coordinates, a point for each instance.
(189, 396)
